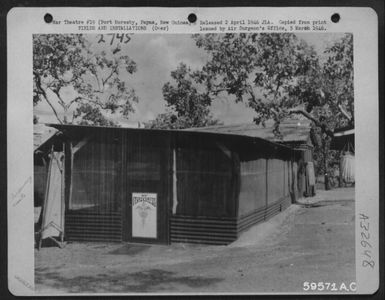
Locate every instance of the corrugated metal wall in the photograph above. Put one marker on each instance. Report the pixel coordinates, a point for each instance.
(203, 230)
(252, 195)
(107, 169)
(266, 189)
(94, 211)
(93, 226)
(256, 181)
(204, 183)
(219, 192)
(275, 180)
(94, 176)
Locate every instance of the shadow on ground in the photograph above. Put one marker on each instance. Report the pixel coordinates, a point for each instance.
(130, 249)
(345, 202)
(138, 282)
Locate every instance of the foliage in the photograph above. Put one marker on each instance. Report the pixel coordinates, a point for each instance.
(70, 76)
(278, 74)
(337, 76)
(188, 106)
(337, 109)
(93, 116)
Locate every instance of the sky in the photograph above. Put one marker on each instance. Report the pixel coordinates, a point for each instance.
(156, 56)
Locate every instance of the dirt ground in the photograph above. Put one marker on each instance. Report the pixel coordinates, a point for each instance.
(311, 241)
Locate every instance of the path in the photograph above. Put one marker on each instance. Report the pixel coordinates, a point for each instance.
(312, 241)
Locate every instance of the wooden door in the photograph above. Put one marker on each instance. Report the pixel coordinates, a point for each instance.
(145, 209)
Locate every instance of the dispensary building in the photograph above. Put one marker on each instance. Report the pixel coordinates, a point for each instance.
(164, 186)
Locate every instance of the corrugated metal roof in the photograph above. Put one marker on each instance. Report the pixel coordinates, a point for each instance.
(342, 137)
(344, 129)
(291, 130)
(261, 139)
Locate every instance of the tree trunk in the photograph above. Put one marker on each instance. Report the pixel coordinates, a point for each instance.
(340, 180)
(325, 153)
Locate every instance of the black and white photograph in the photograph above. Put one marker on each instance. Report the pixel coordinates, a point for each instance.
(194, 163)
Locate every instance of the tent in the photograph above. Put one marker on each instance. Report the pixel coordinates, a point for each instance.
(343, 141)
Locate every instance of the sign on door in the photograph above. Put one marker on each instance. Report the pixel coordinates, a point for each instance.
(144, 215)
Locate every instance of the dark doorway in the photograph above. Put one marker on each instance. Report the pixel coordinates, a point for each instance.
(146, 189)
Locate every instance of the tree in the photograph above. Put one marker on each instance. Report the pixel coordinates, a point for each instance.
(78, 81)
(187, 103)
(278, 75)
(338, 94)
(338, 78)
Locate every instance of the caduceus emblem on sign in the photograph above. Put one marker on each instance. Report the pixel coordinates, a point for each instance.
(143, 212)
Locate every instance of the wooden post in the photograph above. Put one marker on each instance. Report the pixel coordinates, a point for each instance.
(45, 197)
(71, 174)
(174, 182)
(62, 195)
(284, 178)
(267, 188)
(340, 171)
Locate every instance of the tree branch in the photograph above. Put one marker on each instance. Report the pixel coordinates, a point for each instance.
(312, 118)
(53, 109)
(79, 98)
(251, 93)
(62, 103)
(217, 91)
(42, 92)
(344, 112)
(104, 81)
(278, 79)
(97, 81)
